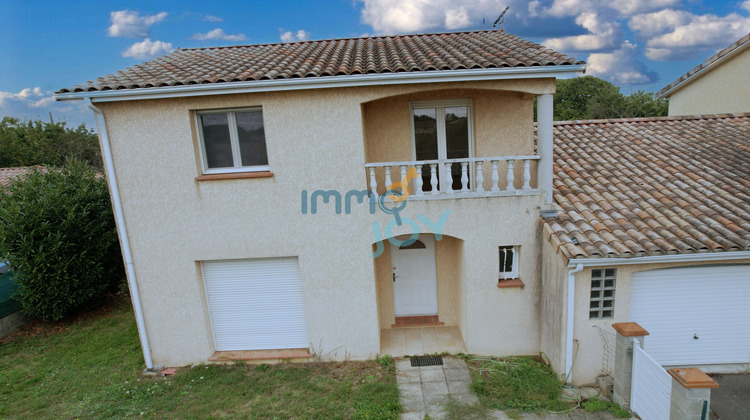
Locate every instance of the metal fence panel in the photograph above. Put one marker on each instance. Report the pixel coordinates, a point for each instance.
(651, 390)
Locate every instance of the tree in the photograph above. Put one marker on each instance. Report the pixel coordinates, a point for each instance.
(30, 143)
(588, 97)
(57, 232)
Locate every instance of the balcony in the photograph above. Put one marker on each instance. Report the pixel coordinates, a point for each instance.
(457, 178)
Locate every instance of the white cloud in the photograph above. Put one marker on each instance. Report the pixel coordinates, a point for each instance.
(648, 25)
(746, 5)
(35, 103)
(694, 35)
(602, 34)
(129, 24)
(562, 8)
(219, 33)
(620, 66)
(211, 18)
(631, 7)
(147, 49)
(404, 16)
(289, 36)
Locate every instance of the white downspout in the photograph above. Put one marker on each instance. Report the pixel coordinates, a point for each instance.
(109, 167)
(571, 319)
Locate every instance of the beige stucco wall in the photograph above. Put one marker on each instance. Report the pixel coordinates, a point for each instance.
(315, 140)
(723, 89)
(588, 362)
(554, 297)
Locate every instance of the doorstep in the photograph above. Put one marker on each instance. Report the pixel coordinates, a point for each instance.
(266, 356)
(416, 321)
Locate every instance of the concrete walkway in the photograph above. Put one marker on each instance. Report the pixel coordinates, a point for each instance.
(427, 390)
(430, 390)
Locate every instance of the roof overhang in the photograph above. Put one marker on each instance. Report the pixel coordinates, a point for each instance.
(380, 79)
(698, 74)
(661, 259)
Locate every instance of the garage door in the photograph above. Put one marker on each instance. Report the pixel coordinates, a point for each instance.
(256, 304)
(696, 315)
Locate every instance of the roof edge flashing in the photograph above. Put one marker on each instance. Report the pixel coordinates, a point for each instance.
(654, 259)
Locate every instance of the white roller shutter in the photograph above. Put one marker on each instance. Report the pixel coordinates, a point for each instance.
(256, 304)
(694, 315)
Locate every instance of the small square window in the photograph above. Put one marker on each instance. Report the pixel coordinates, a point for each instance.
(508, 262)
(232, 141)
(602, 301)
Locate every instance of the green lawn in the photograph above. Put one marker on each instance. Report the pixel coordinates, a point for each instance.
(91, 368)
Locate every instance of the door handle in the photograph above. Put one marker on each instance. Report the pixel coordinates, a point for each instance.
(394, 277)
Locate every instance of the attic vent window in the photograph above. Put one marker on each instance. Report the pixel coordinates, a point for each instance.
(602, 303)
(415, 245)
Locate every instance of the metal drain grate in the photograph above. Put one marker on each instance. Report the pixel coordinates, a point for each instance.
(417, 361)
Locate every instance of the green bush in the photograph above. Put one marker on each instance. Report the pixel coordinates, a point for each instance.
(58, 233)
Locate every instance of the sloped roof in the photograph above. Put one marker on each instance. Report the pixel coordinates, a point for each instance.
(652, 186)
(700, 67)
(8, 175)
(333, 57)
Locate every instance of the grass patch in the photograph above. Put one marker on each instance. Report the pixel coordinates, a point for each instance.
(91, 368)
(519, 383)
(595, 404)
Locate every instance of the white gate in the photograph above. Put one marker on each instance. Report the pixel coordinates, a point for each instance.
(651, 388)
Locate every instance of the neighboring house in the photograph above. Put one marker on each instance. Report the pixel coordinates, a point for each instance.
(8, 175)
(718, 85)
(653, 227)
(240, 176)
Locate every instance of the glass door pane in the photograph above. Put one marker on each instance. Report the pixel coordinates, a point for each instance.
(425, 140)
(457, 139)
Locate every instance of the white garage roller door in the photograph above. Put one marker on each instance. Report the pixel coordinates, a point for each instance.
(695, 315)
(256, 304)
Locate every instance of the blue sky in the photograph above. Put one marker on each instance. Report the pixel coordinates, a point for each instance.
(636, 44)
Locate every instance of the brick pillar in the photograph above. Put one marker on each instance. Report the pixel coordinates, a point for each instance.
(690, 389)
(626, 332)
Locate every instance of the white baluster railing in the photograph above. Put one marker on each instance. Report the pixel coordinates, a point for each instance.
(419, 181)
(473, 173)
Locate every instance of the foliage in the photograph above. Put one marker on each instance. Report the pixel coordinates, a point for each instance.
(91, 369)
(522, 383)
(30, 143)
(58, 233)
(596, 404)
(588, 97)
(386, 361)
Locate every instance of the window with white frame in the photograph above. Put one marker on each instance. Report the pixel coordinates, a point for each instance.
(508, 262)
(602, 304)
(232, 140)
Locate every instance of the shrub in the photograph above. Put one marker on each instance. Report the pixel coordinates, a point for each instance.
(57, 231)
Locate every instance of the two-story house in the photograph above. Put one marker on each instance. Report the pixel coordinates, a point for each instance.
(352, 197)
(237, 172)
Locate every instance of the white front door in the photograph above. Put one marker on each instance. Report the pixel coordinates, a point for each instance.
(414, 278)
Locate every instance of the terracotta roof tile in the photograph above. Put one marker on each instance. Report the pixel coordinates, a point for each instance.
(8, 175)
(333, 57)
(711, 60)
(652, 186)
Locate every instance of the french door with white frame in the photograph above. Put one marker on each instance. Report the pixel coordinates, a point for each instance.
(442, 130)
